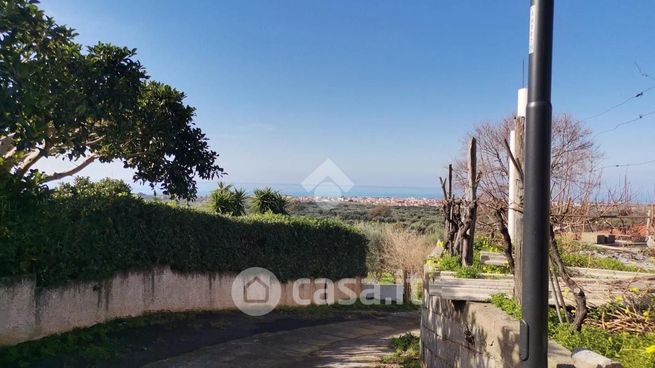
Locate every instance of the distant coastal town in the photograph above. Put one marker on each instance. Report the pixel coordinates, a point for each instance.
(386, 201)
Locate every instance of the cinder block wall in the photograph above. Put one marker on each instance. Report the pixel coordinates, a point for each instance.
(470, 334)
(28, 312)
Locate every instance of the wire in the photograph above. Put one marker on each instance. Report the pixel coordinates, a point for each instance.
(643, 74)
(637, 95)
(617, 126)
(631, 164)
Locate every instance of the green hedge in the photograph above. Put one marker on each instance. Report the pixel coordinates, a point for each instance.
(91, 238)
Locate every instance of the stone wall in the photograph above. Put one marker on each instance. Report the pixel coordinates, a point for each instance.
(28, 312)
(472, 334)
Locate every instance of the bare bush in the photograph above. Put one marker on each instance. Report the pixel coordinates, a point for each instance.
(392, 250)
(575, 180)
(575, 176)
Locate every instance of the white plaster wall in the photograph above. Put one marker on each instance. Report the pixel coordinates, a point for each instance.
(28, 313)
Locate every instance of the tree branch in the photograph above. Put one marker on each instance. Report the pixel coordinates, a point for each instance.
(73, 171)
(513, 159)
(7, 147)
(94, 141)
(30, 160)
(579, 294)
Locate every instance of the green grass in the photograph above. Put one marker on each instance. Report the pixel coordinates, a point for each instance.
(407, 352)
(588, 261)
(507, 305)
(453, 263)
(385, 278)
(94, 343)
(570, 255)
(485, 244)
(631, 350)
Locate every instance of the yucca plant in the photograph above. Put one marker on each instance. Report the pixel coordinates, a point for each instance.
(227, 200)
(269, 200)
(239, 198)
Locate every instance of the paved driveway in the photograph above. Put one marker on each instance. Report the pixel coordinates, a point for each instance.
(360, 343)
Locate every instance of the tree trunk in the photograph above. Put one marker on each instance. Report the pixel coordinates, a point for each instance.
(407, 288)
(450, 225)
(507, 239)
(448, 196)
(580, 297)
(467, 245)
(516, 206)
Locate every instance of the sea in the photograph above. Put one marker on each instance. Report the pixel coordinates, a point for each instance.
(374, 191)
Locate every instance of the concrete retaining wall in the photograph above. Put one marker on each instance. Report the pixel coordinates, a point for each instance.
(28, 312)
(459, 333)
(472, 334)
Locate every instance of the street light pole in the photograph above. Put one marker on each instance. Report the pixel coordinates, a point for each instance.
(536, 225)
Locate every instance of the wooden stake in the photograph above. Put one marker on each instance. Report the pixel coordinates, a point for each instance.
(467, 245)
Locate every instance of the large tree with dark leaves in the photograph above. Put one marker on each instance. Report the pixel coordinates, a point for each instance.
(97, 104)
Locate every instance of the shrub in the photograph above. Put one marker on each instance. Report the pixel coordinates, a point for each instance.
(507, 304)
(468, 273)
(407, 352)
(380, 211)
(268, 200)
(392, 249)
(84, 187)
(486, 244)
(449, 262)
(376, 235)
(90, 238)
(227, 200)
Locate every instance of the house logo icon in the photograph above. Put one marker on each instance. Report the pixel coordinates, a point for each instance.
(256, 291)
(327, 181)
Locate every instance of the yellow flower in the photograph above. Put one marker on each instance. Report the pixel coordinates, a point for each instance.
(647, 314)
(618, 299)
(650, 349)
(635, 290)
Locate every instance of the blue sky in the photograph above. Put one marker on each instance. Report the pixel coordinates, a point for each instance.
(386, 89)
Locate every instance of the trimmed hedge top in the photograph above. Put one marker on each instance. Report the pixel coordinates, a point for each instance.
(92, 238)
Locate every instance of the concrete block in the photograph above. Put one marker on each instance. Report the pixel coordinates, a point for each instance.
(386, 292)
(592, 238)
(583, 358)
(559, 356)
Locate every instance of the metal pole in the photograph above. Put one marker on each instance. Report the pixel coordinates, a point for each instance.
(536, 233)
